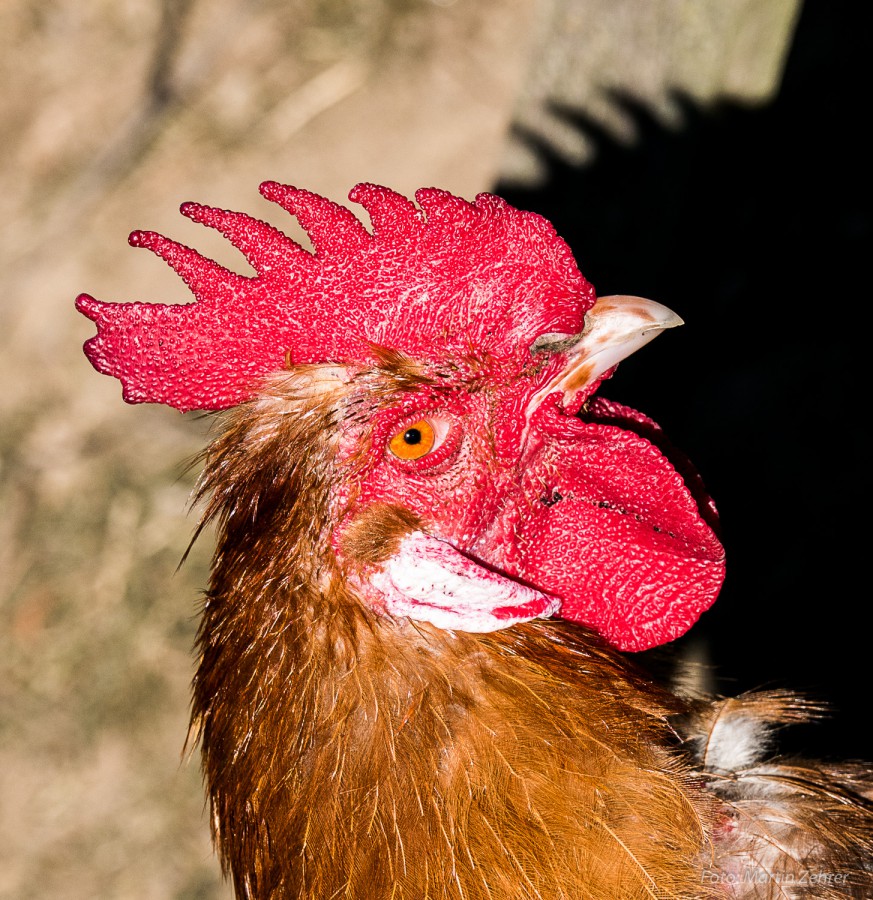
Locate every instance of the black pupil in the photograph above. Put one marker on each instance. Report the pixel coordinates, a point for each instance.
(412, 436)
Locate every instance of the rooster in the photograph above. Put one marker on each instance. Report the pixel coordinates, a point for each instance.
(436, 543)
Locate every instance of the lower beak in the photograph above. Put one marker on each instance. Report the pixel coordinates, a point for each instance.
(615, 327)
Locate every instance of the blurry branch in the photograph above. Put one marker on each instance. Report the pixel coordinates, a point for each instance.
(321, 92)
(162, 94)
(160, 88)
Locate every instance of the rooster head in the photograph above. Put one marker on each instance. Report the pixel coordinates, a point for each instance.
(477, 478)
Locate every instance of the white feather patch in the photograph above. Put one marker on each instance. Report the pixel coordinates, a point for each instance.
(735, 743)
(428, 580)
(736, 733)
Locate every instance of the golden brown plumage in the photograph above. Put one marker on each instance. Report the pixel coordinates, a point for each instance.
(352, 755)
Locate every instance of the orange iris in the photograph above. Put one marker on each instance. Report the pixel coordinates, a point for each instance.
(416, 440)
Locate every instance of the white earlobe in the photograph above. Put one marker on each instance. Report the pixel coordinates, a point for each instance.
(429, 580)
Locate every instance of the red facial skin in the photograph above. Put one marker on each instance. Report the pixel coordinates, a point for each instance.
(583, 508)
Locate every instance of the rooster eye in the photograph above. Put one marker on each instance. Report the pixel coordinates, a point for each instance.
(416, 440)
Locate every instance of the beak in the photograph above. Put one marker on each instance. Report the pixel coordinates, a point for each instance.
(615, 327)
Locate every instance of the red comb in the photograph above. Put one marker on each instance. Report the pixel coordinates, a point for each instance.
(450, 277)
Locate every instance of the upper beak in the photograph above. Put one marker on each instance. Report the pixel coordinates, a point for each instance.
(615, 327)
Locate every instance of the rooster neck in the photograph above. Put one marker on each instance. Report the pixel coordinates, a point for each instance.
(347, 754)
(380, 757)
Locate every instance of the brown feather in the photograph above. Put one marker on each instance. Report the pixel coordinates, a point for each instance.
(350, 755)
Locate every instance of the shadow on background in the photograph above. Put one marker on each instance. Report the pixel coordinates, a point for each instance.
(754, 225)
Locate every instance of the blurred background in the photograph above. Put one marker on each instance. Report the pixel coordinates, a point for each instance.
(708, 154)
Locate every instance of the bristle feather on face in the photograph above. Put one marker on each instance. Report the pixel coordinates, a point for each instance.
(374, 536)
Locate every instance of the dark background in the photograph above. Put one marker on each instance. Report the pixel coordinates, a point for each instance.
(754, 225)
